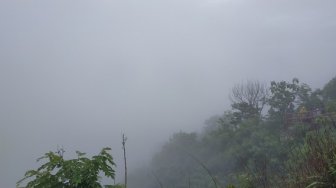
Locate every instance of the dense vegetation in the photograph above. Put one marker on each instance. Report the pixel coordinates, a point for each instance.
(281, 136)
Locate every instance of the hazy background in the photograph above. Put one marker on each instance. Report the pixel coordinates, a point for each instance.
(79, 73)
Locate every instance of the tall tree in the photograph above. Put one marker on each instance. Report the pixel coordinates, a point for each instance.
(329, 90)
(283, 95)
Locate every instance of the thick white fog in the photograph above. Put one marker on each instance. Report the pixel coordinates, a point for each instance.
(80, 73)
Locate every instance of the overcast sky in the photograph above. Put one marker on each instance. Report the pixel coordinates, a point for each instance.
(79, 73)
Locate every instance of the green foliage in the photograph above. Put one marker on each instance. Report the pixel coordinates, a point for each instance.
(81, 172)
(246, 149)
(329, 90)
(285, 96)
(245, 181)
(313, 163)
(173, 166)
(230, 186)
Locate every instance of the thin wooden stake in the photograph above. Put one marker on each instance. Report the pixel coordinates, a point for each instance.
(125, 161)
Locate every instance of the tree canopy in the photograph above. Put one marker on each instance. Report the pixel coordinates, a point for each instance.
(245, 148)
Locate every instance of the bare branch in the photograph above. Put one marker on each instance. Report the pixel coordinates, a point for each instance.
(249, 98)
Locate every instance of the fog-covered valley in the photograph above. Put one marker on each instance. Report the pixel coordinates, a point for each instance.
(79, 74)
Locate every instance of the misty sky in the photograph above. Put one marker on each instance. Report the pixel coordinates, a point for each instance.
(79, 73)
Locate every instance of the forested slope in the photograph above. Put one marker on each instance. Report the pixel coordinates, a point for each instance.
(277, 136)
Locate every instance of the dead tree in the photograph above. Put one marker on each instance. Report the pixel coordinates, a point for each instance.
(249, 98)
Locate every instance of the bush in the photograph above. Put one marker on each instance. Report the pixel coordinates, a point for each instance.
(74, 173)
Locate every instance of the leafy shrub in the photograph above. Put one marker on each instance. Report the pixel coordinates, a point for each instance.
(74, 173)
